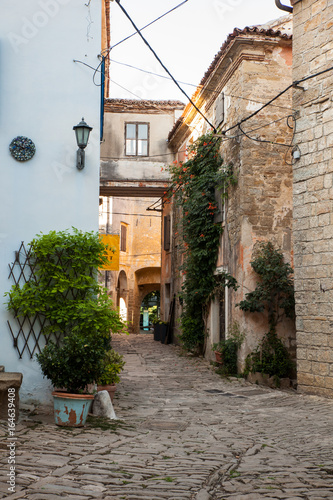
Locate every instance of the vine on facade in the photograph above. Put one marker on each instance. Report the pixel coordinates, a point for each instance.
(194, 185)
(275, 293)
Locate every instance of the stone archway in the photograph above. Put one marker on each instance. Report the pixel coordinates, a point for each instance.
(147, 280)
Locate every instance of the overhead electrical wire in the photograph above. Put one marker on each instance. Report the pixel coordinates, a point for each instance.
(108, 50)
(123, 213)
(294, 84)
(144, 27)
(163, 65)
(194, 85)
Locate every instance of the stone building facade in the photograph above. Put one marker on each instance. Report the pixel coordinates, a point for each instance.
(251, 67)
(313, 194)
(132, 179)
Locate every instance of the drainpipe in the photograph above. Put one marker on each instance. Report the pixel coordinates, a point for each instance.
(283, 7)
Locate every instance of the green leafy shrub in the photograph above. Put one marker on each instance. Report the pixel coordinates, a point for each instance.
(63, 292)
(275, 288)
(271, 356)
(229, 349)
(113, 363)
(274, 292)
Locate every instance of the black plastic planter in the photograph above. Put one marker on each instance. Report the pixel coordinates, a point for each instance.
(157, 332)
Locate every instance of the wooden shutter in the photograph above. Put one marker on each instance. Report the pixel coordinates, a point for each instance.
(167, 232)
(123, 238)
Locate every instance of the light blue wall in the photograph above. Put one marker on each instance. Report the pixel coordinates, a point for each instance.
(43, 93)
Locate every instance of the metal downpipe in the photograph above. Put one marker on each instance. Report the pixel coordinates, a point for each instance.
(283, 7)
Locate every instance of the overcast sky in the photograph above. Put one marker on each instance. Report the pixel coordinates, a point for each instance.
(186, 40)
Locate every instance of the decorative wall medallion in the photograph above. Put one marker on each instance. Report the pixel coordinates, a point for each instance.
(22, 148)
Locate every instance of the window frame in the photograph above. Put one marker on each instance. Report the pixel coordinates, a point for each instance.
(136, 139)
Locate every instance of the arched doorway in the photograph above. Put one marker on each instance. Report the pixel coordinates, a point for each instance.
(147, 279)
(149, 310)
(122, 295)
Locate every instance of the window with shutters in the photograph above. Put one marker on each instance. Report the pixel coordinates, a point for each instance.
(219, 110)
(136, 139)
(167, 235)
(123, 238)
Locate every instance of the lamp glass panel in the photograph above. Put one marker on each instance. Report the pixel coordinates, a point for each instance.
(86, 133)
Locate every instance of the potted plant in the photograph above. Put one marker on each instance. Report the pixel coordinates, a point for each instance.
(113, 364)
(163, 330)
(218, 349)
(76, 315)
(226, 350)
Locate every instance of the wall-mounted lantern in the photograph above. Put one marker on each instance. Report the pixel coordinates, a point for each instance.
(82, 131)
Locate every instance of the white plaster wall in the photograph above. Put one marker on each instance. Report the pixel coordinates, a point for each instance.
(43, 93)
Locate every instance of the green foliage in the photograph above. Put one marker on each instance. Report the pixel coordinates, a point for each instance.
(76, 363)
(271, 356)
(64, 293)
(275, 290)
(229, 349)
(113, 363)
(193, 185)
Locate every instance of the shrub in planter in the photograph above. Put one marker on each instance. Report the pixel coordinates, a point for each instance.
(73, 309)
(226, 351)
(113, 364)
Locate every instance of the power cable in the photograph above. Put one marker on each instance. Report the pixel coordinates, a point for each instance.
(135, 215)
(108, 50)
(163, 66)
(193, 84)
(149, 24)
(293, 84)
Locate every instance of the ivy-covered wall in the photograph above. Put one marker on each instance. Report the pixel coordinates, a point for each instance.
(252, 67)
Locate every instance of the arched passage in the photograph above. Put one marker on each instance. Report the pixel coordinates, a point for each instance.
(147, 280)
(122, 295)
(149, 310)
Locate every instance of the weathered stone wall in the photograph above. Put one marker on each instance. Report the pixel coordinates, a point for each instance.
(313, 194)
(253, 69)
(260, 206)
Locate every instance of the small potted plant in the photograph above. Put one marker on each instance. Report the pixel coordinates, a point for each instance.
(113, 364)
(226, 350)
(218, 349)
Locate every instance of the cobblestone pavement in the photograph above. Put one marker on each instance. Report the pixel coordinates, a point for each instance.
(183, 433)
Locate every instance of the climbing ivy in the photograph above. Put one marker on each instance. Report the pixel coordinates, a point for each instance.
(194, 185)
(275, 288)
(274, 292)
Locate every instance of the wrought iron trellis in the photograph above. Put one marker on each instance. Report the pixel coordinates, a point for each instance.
(28, 334)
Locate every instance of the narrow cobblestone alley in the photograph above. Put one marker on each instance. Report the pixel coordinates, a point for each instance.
(183, 433)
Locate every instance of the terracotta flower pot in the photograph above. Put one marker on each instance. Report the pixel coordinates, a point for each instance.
(218, 356)
(110, 388)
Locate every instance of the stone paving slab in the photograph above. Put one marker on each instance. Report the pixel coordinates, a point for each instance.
(184, 433)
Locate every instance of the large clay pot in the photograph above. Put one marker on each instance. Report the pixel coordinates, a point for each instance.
(71, 410)
(110, 388)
